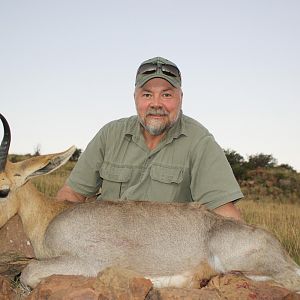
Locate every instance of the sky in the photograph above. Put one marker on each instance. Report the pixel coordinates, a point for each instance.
(68, 67)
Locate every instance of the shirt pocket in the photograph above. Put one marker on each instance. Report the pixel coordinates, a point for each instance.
(115, 180)
(165, 183)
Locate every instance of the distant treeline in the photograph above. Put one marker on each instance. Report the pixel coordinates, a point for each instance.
(241, 166)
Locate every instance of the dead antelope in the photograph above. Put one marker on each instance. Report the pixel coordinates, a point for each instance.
(167, 243)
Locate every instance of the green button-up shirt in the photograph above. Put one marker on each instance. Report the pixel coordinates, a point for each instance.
(187, 165)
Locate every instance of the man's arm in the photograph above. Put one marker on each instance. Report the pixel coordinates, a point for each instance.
(66, 193)
(228, 210)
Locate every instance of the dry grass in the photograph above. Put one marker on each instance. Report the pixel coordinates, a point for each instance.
(283, 219)
(50, 184)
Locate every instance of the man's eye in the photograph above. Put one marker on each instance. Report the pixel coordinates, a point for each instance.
(167, 95)
(146, 95)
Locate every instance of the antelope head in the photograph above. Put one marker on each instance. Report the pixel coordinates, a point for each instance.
(14, 175)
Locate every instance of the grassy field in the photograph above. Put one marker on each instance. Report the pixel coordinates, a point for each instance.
(283, 219)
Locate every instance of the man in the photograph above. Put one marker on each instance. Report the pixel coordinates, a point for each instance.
(158, 155)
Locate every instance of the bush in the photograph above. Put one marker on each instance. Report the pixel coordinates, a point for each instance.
(76, 155)
(261, 161)
(286, 167)
(233, 157)
(237, 164)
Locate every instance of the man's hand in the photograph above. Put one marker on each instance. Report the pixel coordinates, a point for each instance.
(229, 210)
(66, 193)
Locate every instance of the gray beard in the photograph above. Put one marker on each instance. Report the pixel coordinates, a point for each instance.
(157, 129)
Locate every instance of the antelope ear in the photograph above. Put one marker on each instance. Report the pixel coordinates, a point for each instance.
(44, 164)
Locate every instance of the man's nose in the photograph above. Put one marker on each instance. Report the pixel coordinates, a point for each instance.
(156, 101)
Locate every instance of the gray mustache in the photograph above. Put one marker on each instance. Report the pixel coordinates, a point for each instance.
(156, 112)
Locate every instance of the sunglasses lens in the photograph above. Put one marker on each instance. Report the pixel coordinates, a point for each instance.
(152, 68)
(147, 69)
(170, 70)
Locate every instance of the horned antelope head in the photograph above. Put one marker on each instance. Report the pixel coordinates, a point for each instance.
(15, 175)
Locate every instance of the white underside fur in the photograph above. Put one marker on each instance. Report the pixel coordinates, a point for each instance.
(183, 280)
(217, 265)
(178, 281)
(259, 278)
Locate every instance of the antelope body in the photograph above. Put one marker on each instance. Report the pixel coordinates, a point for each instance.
(171, 244)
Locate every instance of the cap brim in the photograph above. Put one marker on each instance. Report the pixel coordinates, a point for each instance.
(145, 79)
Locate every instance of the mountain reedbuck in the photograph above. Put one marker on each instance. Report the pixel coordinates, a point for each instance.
(171, 244)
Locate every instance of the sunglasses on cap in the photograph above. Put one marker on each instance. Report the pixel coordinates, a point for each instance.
(151, 68)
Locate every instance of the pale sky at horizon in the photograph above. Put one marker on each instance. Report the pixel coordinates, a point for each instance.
(68, 67)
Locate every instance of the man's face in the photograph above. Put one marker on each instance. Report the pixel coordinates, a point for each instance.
(158, 105)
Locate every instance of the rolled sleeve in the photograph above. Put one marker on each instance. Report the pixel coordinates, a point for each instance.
(212, 180)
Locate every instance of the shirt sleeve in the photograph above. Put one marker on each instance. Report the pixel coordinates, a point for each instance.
(85, 178)
(212, 180)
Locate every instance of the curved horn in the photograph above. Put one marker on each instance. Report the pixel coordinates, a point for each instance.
(4, 144)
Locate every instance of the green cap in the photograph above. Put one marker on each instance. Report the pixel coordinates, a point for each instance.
(158, 67)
